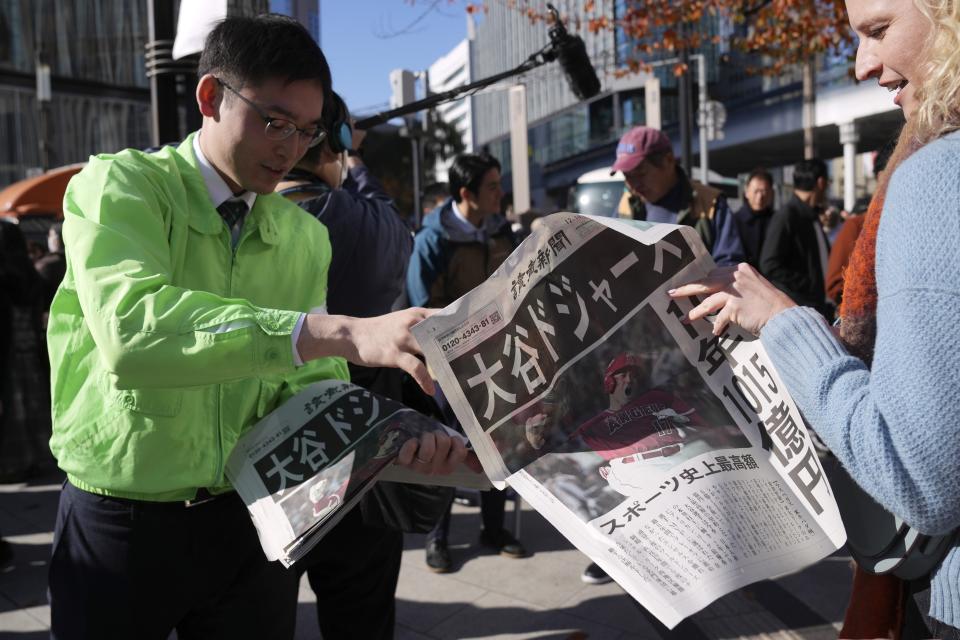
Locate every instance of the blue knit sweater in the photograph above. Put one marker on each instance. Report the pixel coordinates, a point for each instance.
(895, 427)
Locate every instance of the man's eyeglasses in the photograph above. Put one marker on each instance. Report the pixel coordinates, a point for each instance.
(279, 128)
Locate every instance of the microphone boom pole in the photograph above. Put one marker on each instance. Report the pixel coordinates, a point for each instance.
(534, 61)
(569, 49)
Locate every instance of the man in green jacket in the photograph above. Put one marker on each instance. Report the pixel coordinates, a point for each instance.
(193, 304)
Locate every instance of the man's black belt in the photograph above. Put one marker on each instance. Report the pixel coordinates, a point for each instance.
(204, 496)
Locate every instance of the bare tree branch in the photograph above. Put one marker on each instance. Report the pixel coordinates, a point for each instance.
(393, 33)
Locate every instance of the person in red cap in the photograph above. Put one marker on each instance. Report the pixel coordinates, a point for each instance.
(661, 191)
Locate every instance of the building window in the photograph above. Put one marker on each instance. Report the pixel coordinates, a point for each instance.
(453, 76)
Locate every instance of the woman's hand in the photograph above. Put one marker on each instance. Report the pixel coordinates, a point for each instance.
(736, 294)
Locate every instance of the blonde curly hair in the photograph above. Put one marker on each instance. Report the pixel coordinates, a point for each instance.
(939, 95)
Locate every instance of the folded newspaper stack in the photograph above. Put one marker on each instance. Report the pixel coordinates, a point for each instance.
(674, 458)
(302, 467)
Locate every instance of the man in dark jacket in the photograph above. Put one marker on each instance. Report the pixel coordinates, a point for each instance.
(662, 192)
(754, 216)
(354, 571)
(373, 243)
(795, 249)
(461, 243)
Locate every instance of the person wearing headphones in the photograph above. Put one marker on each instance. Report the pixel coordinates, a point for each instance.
(373, 244)
(354, 571)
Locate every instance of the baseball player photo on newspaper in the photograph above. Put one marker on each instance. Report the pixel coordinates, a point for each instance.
(674, 458)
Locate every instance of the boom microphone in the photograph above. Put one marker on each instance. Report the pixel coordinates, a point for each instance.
(571, 52)
(567, 49)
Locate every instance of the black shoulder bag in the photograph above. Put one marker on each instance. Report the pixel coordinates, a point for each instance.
(881, 542)
(411, 508)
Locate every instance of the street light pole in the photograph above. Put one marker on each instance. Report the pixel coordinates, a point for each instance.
(685, 110)
(164, 116)
(701, 61)
(683, 95)
(413, 130)
(44, 95)
(809, 107)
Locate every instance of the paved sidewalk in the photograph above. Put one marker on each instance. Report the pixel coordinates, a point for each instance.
(488, 596)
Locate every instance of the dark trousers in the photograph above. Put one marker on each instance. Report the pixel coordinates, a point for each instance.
(492, 505)
(353, 571)
(129, 569)
(492, 501)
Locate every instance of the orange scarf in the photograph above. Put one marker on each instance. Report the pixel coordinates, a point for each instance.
(858, 308)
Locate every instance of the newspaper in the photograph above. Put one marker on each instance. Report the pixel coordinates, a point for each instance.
(303, 466)
(674, 459)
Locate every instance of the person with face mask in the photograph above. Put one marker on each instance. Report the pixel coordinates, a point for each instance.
(892, 366)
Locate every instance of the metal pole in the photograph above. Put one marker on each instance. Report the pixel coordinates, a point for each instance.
(43, 107)
(849, 136)
(702, 120)
(520, 165)
(809, 107)
(415, 151)
(428, 133)
(446, 96)
(683, 95)
(164, 117)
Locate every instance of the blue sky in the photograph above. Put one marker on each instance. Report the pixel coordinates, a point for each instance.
(354, 37)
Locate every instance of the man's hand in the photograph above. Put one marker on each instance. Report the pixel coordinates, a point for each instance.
(433, 453)
(383, 341)
(736, 294)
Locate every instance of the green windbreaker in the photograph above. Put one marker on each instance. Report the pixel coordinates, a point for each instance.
(165, 344)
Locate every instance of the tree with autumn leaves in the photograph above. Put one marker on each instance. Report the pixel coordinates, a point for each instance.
(778, 34)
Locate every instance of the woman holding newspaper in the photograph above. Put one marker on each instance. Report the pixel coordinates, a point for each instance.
(883, 393)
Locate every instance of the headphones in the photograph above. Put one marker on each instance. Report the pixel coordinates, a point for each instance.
(336, 120)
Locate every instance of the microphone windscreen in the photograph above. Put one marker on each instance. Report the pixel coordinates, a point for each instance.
(572, 54)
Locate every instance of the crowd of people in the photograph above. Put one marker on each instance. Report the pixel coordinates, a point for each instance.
(793, 245)
(171, 331)
(29, 276)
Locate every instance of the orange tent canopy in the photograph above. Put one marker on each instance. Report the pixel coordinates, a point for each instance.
(41, 194)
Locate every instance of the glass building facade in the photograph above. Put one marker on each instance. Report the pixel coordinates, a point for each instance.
(100, 97)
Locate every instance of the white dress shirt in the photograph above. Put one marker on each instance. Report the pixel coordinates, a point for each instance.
(219, 193)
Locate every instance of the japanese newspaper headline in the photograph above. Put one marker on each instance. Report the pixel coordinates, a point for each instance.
(674, 458)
